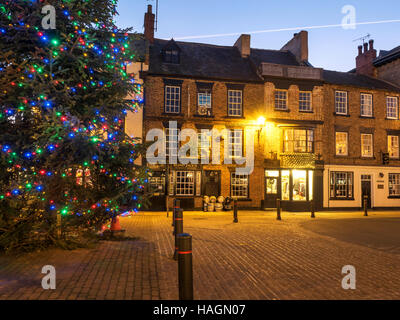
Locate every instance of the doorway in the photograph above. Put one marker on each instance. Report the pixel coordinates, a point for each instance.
(271, 188)
(212, 183)
(366, 180)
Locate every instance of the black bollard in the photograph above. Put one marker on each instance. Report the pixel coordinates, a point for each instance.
(365, 206)
(177, 204)
(178, 229)
(278, 209)
(185, 267)
(312, 209)
(235, 211)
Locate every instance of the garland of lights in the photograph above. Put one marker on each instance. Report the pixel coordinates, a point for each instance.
(103, 133)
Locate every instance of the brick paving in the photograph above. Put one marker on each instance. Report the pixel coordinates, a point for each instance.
(258, 258)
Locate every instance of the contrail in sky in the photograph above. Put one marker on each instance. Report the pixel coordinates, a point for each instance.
(284, 29)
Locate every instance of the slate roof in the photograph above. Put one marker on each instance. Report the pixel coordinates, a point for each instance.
(387, 56)
(204, 61)
(208, 61)
(357, 80)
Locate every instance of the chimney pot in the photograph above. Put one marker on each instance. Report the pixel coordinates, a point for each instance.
(360, 50)
(371, 45)
(365, 47)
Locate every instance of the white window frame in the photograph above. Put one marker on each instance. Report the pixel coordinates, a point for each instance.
(305, 101)
(367, 104)
(204, 99)
(235, 143)
(393, 146)
(281, 99)
(172, 99)
(345, 134)
(239, 186)
(347, 187)
(367, 145)
(172, 134)
(341, 102)
(184, 185)
(235, 103)
(394, 184)
(392, 107)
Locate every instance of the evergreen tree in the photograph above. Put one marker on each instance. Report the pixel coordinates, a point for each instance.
(63, 99)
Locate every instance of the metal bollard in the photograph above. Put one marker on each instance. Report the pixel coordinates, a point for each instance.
(178, 229)
(185, 267)
(235, 211)
(365, 206)
(177, 204)
(278, 209)
(312, 209)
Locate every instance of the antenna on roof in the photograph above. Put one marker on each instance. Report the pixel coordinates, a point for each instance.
(156, 22)
(363, 38)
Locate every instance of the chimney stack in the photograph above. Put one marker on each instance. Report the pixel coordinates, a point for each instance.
(365, 59)
(298, 46)
(243, 45)
(149, 19)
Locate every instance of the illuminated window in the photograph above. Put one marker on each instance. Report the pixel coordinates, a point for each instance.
(341, 102)
(367, 149)
(341, 185)
(298, 141)
(392, 108)
(285, 185)
(310, 185)
(239, 185)
(394, 184)
(341, 143)
(272, 182)
(305, 101)
(299, 185)
(393, 146)
(281, 100)
(172, 99)
(235, 103)
(366, 105)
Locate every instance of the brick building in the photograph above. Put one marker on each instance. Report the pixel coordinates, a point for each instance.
(318, 135)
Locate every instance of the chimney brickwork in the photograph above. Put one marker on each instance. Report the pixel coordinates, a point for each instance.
(365, 59)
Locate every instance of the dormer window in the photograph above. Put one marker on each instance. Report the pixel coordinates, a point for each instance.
(171, 53)
(171, 56)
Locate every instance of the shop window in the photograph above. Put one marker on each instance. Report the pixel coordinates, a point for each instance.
(394, 184)
(285, 182)
(299, 185)
(184, 183)
(341, 185)
(239, 185)
(272, 182)
(310, 185)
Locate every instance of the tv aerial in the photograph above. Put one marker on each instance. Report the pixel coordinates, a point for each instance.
(363, 38)
(156, 22)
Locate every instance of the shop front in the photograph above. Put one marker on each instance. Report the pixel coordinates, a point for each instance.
(294, 187)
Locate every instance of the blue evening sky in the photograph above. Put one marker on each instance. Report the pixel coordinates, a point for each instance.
(330, 48)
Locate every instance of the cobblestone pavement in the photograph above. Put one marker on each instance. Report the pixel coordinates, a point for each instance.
(257, 258)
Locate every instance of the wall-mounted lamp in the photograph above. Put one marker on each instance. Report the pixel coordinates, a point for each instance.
(261, 123)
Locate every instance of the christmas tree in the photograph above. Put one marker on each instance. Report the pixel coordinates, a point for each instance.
(63, 99)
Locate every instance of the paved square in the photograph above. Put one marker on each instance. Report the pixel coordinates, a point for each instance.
(257, 258)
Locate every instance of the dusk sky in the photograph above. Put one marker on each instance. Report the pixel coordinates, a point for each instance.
(330, 48)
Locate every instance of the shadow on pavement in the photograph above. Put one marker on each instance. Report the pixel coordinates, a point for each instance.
(377, 233)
